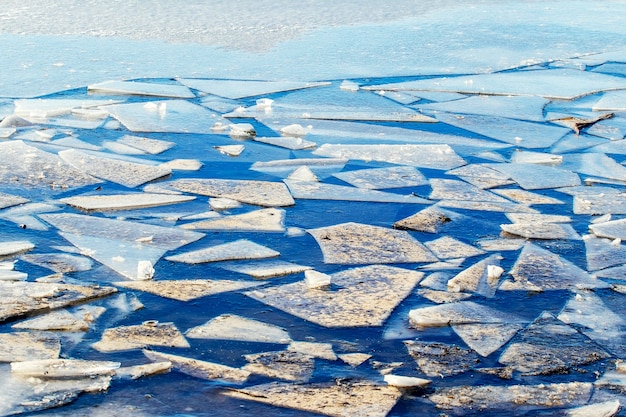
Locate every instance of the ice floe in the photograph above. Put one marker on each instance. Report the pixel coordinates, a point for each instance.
(264, 220)
(141, 89)
(185, 290)
(266, 269)
(149, 333)
(123, 201)
(233, 327)
(239, 249)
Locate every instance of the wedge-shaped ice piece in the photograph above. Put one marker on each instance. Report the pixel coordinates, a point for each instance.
(529, 157)
(486, 206)
(121, 149)
(354, 359)
(126, 173)
(149, 333)
(264, 220)
(549, 271)
(186, 290)
(147, 145)
(354, 243)
(138, 88)
(546, 230)
(293, 143)
(260, 193)
(441, 297)
(23, 167)
(446, 189)
(10, 275)
(565, 84)
(303, 173)
(200, 369)
(266, 269)
(596, 164)
(314, 349)
(8, 200)
(285, 365)
(441, 360)
(538, 218)
(243, 88)
(601, 409)
(25, 346)
(239, 249)
(80, 320)
(536, 177)
(597, 320)
(463, 312)
(603, 253)
(363, 296)
(437, 156)
(307, 190)
(15, 247)
(486, 338)
(167, 116)
(550, 346)
(431, 220)
(59, 262)
(45, 108)
(23, 215)
(346, 399)
(63, 368)
(447, 247)
(512, 107)
(380, 178)
(233, 327)
(322, 167)
(481, 176)
(513, 397)
(157, 236)
(316, 279)
(27, 298)
(231, 150)
(183, 164)
(401, 381)
(481, 278)
(614, 229)
(597, 199)
(611, 101)
(526, 197)
(139, 371)
(127, 201)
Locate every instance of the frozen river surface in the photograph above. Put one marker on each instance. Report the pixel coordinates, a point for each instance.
(340, 210)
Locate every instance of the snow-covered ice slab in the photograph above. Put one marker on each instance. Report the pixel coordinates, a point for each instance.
(8, 200)
(563, 84)
(382, 178)
(149, 333)
(266, 269)
(15, 247)
(79, 319)
(233, 327)
(437, 156)
(511, 107)
(241, 249)
(199, 368)
(146, 145)
(541, 230)
(347, 399)
(24, 168)
(440, 360)
(44, 108)
(354, 243)
(168, 116)
(235, 89)
(549, 271)
(614, 229)
(186, 290)
(536, 177)
(263, 220)
(261, 193)
(360, 297)
(308, 190)
(126, 201)
(25, 346)
(549, 346)
(138, 88)
(63, 368)
(27, 298)
(126, 173)
(611, 101)
(514, 132)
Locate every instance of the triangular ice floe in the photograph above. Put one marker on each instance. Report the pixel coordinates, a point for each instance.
(147, 145)
(481, 176)
(441, 360)
(185, 290)
(322, 167)
(293, 143)
(308, 190)
(59, 262)
(603, 253)
(486, 338)
(481, 278)
(546, 230)
(264, 220)
(354, 243)
(150, 333)
(359, 297)
(243, 88)
(233, 327)
(239, 249)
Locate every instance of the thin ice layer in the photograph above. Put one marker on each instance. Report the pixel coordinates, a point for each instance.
(149, 333)
(381, 178)
(235, 89)
(239, 249)
(127, 201)
(310, 190)
(233, 327)
(535, 177)
(141, 89)
(264, 220)
(266, 269)
(187, 289)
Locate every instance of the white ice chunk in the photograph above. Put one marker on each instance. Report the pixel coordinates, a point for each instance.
(44, 108)
(320, 166)
(447, 247)
(63, 368)
(535, 177)
(186, 290)
(149, 333)
(307, 190)
(405, 381)
(126, 201)
(316, 279)
(529, 157)
(263, 220)
(147, 145)
(266, 269)
(240, 249)
(462, 312)
(381, 178)
(142, 89)
(221, 203)
(238, 88)
(241, 130)
(183, 164)
(294, 143)
(15, 247)
(231, 150)
(611, 101)
(541, 230)
(233, 327)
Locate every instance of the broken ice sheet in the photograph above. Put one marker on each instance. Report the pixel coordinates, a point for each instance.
(125, 201)
(23, 215)
(462, 312)
(447, 247)
(597, 199)
(24, 346)
(285, 365)
(595, 164)
(167, 116)
(141, 89)
(322, 167)
(481, 176)
(292, 143)
(45, 108)
(430, 220)
(149, 333)
(15, 247)
(235, 89)
(535, 177)
(79, 319)
(200, 369)
(266, 269)
(27, 298)
(565, 84)
(611, 101)
(514, 398)
(233, 327)
(63, 368)
(381, 178)
(441, 360)
(263, 220)
(147, 145)
(347, 398)
(441, 157)
(530, 157)
(550, 346)
(239, 249)
(59, 262)
(354, 243)
(549, 271)
(541, 230)
(187, 289)
(486, 338)
(314, 349)
(481, 278)
(127, 173)
(261, 193)
(309, 190)
(526, 197)
(8, 200)
(448, 189)
(603, 253)
(359, 297)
